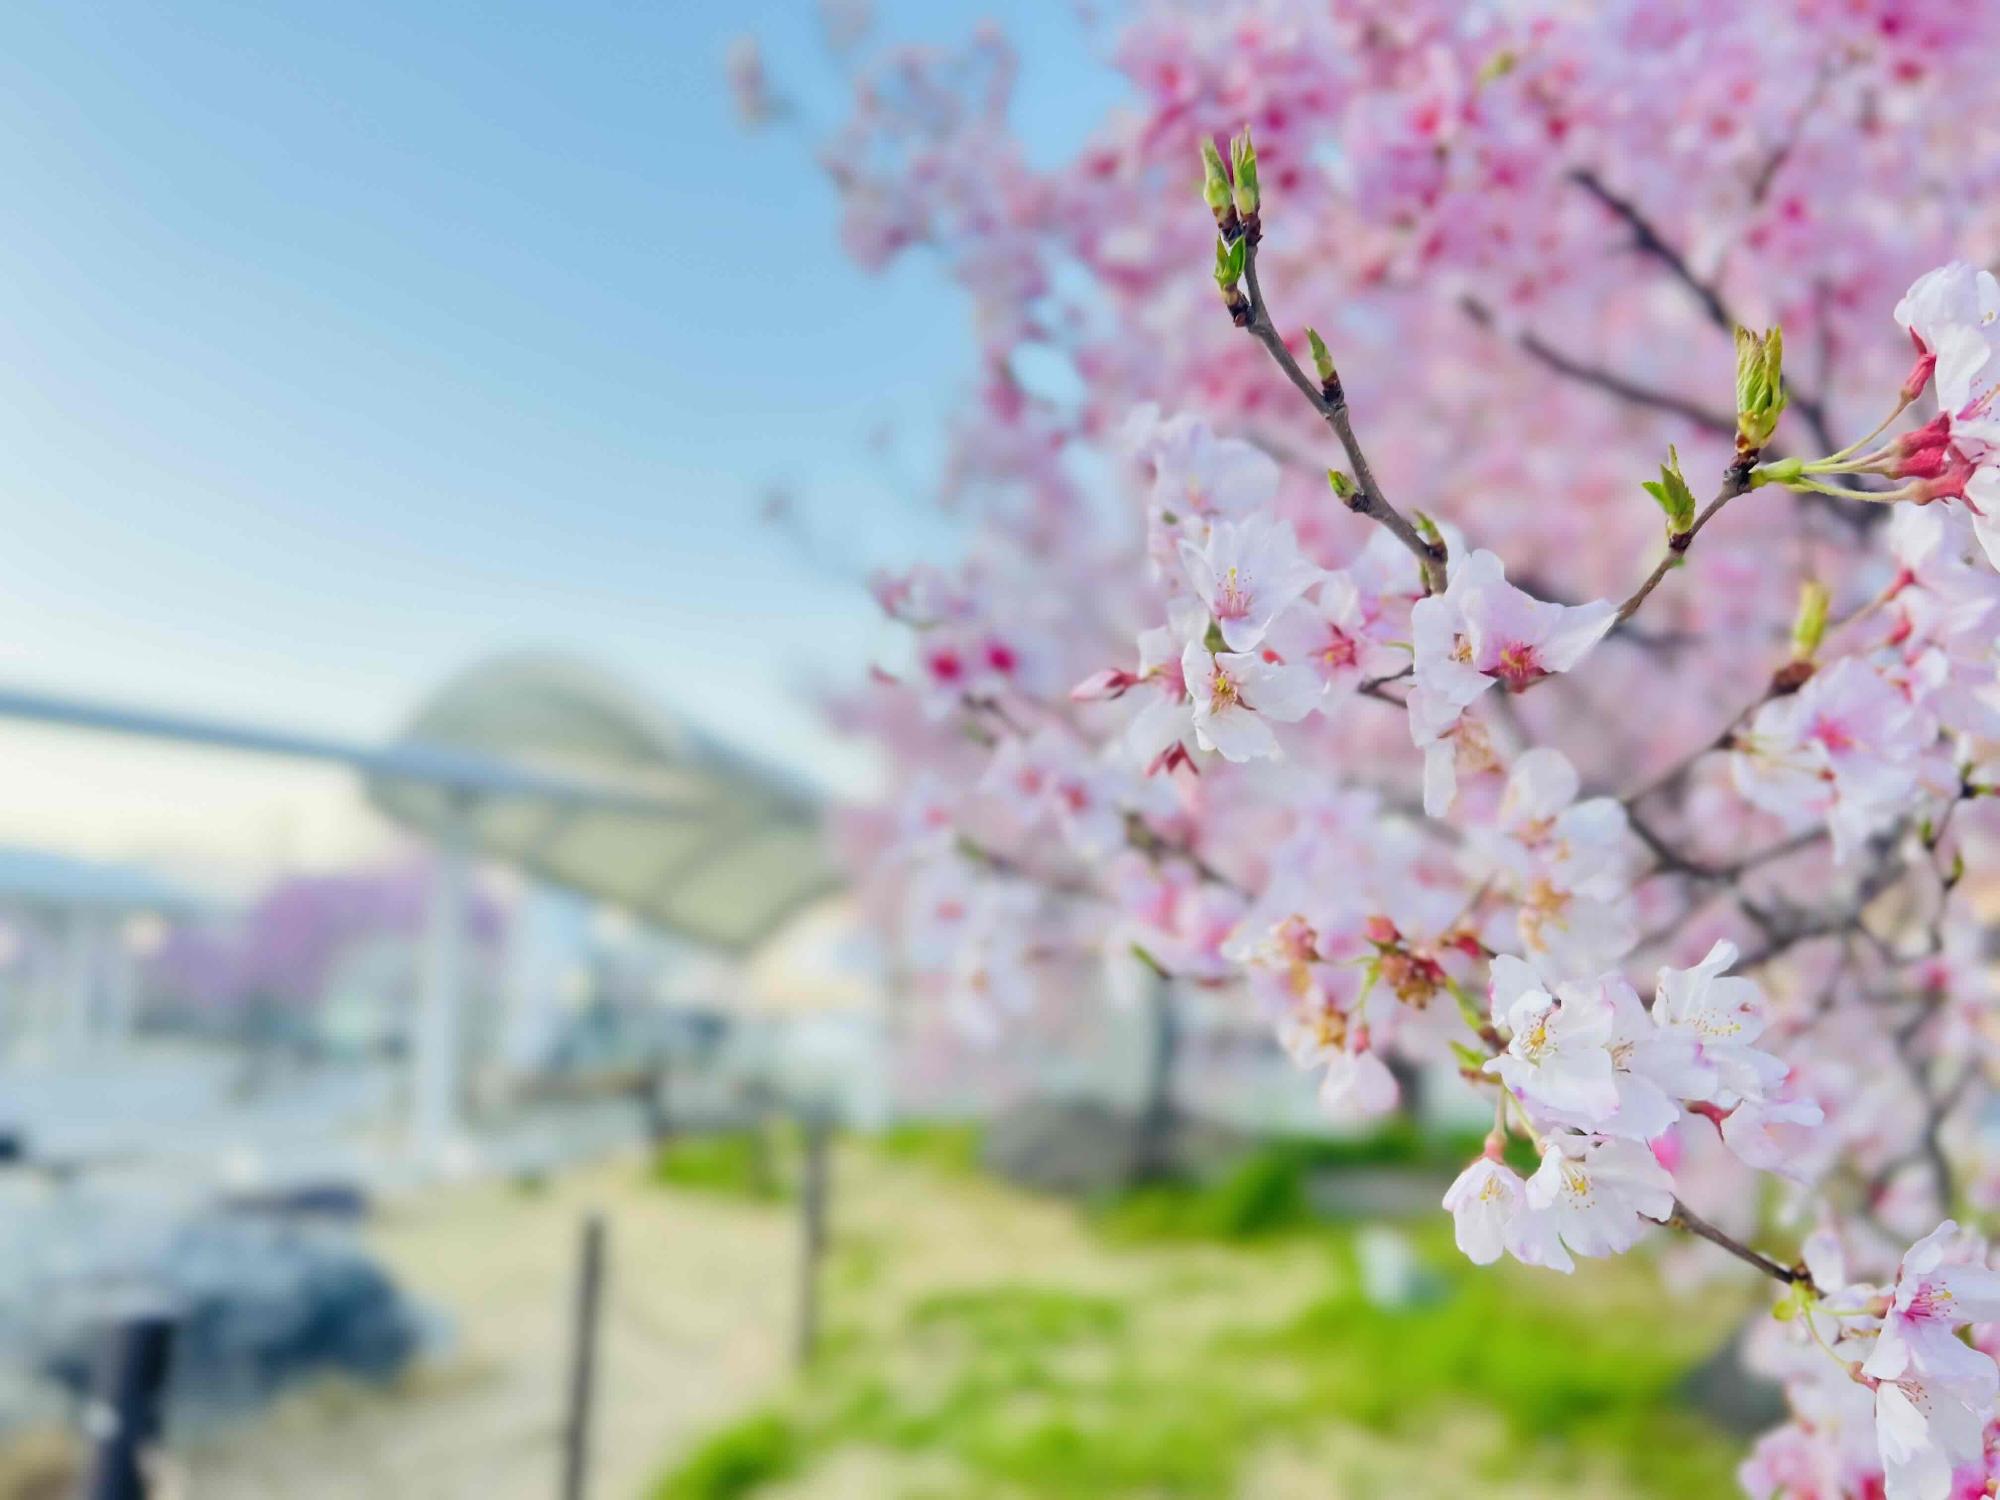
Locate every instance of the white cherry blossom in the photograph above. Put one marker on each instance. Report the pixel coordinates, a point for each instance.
(1559, 1053)
(1719, 1015)
(1602, 1195)
(1238, 695)
(1357, 1085)
(1924, 1432)
(1194, 471)
(1490, 1214)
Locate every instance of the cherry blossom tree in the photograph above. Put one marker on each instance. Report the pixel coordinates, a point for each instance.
(1655, 807)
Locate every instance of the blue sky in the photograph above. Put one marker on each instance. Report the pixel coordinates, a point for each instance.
(342, 344)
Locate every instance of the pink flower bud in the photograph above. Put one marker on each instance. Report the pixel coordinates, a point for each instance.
(1923, 463)
(1920, 372)
(1933, 435)
(1713, 1113)
(891, 591)
(1100, 686)
(1950, 480)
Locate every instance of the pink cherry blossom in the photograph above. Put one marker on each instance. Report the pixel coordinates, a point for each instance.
(1941, 1287)
(1049, 776)
(1843, 748)
(1245, 574)
(1483, 630)
(1338, 636)
(1948, 313)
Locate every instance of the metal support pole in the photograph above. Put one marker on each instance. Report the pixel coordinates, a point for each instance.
(78, 996)
(124, 1418)
(814, 1193)
(121, 988)
(542, 931)
(41, 1015)
(435, 1057)
(583, 1360)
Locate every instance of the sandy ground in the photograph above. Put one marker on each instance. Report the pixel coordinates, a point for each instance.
(697, 1326)
(697, 1330)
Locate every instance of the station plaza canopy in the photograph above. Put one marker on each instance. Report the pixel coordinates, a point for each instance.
(683, 832)
(541, 762)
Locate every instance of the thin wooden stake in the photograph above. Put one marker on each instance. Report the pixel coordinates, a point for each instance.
(127, 1407)
(814, 1193)
(583, 1361)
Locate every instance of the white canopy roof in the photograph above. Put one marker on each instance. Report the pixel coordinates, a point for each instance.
(707, 843)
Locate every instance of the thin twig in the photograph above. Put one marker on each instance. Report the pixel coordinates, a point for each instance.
(1735, 483)
(1649, 241)
(1376, 687)
(1367, 499)
(1601, 378)
(1685, 1218)
(1156, 847)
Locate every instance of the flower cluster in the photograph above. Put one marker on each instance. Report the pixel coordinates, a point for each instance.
(1895, 1386)
(1597, 1077)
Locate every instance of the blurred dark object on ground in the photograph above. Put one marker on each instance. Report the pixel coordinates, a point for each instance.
(260, 1307)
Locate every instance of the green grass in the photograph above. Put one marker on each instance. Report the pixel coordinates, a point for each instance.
(944, 1147)
(1020, 1318)
(1050, 1392)
(1597, 1361)
(1179, 1379)
(735, 1462)
(743, 1164)
(1267, 1191)
(763, 1165)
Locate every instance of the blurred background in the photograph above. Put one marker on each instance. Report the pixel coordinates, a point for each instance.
(441, 458)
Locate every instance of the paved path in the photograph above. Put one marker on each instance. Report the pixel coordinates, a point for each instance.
(697, 1311)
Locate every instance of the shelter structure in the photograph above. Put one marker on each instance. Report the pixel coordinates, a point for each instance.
(542, 762)
(73, 926)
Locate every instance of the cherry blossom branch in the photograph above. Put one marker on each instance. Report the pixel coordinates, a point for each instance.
(1007, 864)
(1735, 483)
(1673, 861)
(1648, 240)
(1823, 76)
(1376, 687)
(1601, 378)
(1679, 771)
(1785, 930)
(1938, 1105)
(1690, 1222)
(1796, 844)
(1330, 401)
(1155, 847)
